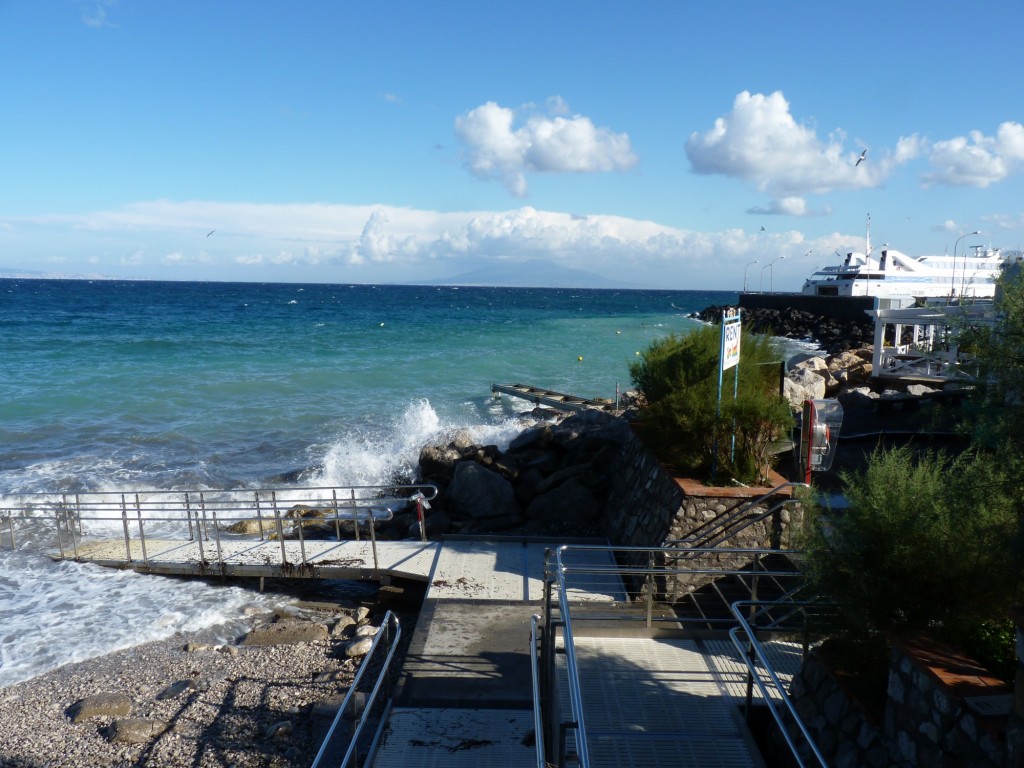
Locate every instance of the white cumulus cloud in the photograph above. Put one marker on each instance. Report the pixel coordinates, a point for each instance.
(499, 144)
(977, 160)
(760, 142)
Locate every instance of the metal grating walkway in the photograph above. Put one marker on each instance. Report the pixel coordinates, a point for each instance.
(666, 702)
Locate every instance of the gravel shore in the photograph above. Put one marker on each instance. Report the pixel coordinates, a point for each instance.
(184, 702)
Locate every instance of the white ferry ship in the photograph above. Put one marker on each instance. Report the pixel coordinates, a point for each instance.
(898, 276)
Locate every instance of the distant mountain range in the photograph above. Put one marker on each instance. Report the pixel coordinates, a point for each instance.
(535, 273)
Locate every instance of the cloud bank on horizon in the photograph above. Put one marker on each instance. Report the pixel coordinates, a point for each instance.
(756, 179)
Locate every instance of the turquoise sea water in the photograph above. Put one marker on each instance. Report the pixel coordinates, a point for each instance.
(170, 384)
(109, 385)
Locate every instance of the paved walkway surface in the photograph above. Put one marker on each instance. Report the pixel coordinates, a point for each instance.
(465, 695)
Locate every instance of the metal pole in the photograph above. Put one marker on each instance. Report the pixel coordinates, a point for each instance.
(735, 393)
(60, 539)
(199, 540)
(216, 537)
(650, 588)
(204, 532)
(373, 541)
(302, 542)
(419, 516)
(355, 517)
(188, 517)
(280, 528)
(745, 274)
(337, 518)
(259, 513)
(124, 523)
(142, 532)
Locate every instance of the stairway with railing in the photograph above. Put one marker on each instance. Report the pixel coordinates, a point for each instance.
(645, 681)
(626, 679)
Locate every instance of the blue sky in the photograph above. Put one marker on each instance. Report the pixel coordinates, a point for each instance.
(660, 144)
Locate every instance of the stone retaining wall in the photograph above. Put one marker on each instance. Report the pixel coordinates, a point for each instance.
(649, 507)
(942, 711)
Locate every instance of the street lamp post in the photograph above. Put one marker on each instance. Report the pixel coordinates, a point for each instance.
(952, 279)
(745, 274)
(771, 273)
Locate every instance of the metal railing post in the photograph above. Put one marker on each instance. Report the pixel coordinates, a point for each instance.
(419, 516)
(302, 542)
(337, 515)
(60, 537)
(216, 538)
(259, 513)
(62, 513)
(10, 525)
(78, 520)
(280, 527)
(649, 587)
(373, 541)
(142, 532)
(355, 517)
(199, 540)
(188, 517)
(124, 523)
(204, 532)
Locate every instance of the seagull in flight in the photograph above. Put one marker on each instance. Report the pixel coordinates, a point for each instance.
(861, 159)
(210, 232)
(762, 229)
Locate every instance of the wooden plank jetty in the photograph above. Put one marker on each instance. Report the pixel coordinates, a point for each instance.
(557, 400)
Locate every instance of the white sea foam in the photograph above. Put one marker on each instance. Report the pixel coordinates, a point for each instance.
(368, 458)
(57, 613)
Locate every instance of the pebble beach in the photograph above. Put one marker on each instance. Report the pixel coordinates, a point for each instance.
(186, 701)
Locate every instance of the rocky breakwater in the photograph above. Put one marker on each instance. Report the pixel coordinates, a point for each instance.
(832, 334)
(847, 377)
(553, 479)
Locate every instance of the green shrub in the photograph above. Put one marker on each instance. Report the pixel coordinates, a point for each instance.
(927, 542)
(683, 421)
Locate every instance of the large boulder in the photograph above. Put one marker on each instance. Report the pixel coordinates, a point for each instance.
(850, 368)
(107, 704)
(287, 632)
(477, 492)
(803, 384)
(135, 730)
(533, 438)
(438, 461)
(567, 506)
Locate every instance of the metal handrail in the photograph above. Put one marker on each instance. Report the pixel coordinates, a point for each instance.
(389, 625)
(538, 722)
(561, 575)
(750, 649)
(717, 530)
(196, 513)
(575, 695)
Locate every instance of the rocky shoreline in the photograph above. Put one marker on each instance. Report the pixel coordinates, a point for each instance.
(831, 334)
(266, 699)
